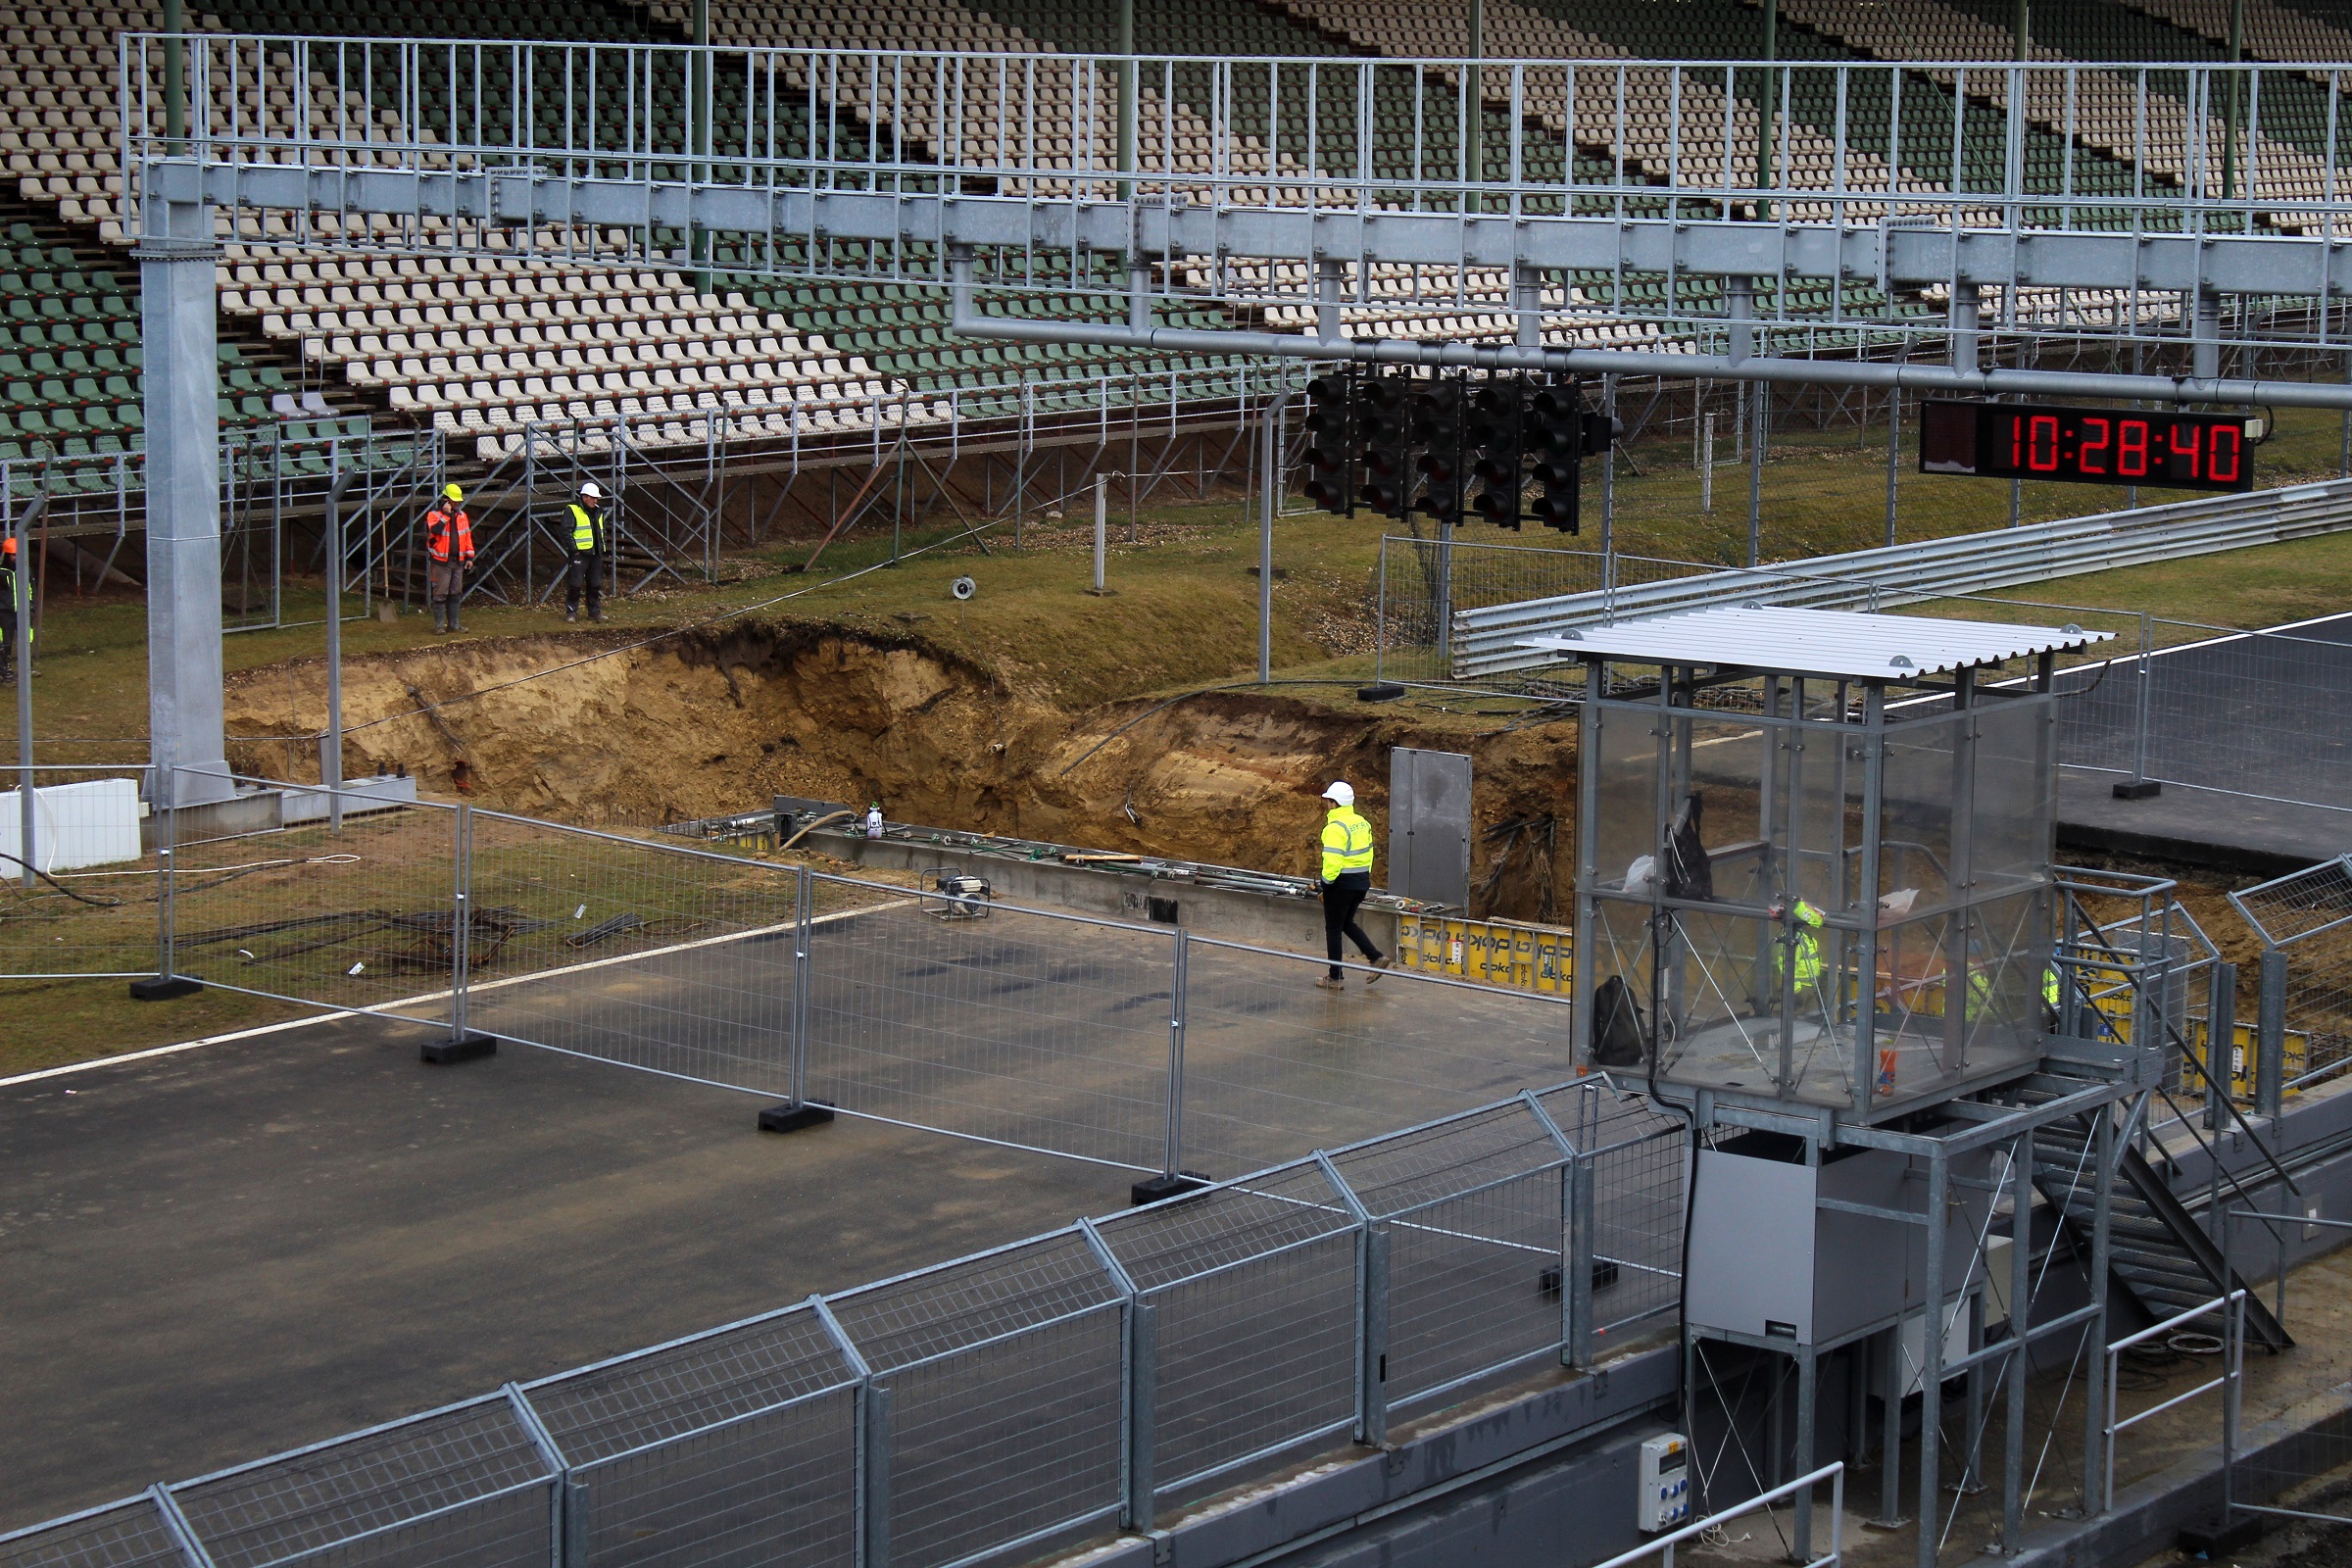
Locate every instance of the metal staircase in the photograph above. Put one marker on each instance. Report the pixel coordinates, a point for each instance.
(2157, 1253)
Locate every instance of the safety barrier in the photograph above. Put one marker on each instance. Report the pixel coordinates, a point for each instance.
(1064, 1387)
(1136, 1046)
(82, 900)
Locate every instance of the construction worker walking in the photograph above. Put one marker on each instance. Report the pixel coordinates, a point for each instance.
(448, 555)
(584, 573)
(1347, 878)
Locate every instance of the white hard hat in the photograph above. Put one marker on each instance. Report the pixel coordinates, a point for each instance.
(1343, 793)
(591, 491)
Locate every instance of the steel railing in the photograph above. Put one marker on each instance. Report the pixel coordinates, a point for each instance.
(1486, 640)
(1079, 1382)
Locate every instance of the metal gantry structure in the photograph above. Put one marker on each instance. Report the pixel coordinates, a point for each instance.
(1576, 203)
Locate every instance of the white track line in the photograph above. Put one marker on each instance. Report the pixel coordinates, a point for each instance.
(386, 1009)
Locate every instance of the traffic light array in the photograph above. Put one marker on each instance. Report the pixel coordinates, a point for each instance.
(1450, 446)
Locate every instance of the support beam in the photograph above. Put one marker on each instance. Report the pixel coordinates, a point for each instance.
(178, 302)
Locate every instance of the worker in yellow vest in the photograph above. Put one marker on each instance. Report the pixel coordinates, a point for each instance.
(1804, 946)
(584, 572)
(1347, 878)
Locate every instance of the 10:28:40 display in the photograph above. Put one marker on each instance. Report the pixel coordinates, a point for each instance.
(2087, 446)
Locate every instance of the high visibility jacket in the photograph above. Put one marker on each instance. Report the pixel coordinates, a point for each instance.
(587, 529)
(440, 526)
(2049, 986)
(1347, 843)
(1804, 947)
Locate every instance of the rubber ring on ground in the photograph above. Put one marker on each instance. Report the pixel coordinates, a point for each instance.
(964, 587)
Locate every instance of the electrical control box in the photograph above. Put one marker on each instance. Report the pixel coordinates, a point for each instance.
(1665, 1500)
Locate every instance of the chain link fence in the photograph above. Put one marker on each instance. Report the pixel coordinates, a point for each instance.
(1135, 1045)
(2303, 1035)
(1037, 1394)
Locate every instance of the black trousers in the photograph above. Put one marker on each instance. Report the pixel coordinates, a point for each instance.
(585, 571)
(1341, 898)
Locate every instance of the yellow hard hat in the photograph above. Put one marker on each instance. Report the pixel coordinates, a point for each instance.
(452, 492)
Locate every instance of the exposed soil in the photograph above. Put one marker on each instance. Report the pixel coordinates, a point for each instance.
(713, 722)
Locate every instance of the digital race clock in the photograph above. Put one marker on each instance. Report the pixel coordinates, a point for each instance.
(2087, 446)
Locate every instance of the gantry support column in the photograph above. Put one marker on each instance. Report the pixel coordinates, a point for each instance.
(178, 302)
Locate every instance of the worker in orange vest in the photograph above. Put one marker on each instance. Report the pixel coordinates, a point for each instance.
(449, 551)
(8, 610)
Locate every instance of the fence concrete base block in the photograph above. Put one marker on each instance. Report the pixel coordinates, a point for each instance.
(472, 1047)
(2147, 789)
(791, 1116)
(2213, 1538)
(160, 990)
(1159, 1188)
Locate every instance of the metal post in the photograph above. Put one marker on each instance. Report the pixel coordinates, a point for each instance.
(1127, 96)
(1759, 404)
(1809, 1390)
(1890, 1434)
(1706, 466)
(2140, 705)
(179, 309)
(1139, 1386)
(175, 77)
(1372, 1415)
(2021, 1358)
(1266, 551)
(1474, 134)
(1930, 1363)
(460, 931)
(2094, 1392)
(1768, 132)
(1894, 454)
(1101, 519)
(2270, 1035)
(166, 956)
(804, 901)
(1579, 1283)
(26, 797)
(1179, 965)
(2237, 53)
(1608, 463)
(2222, 1066)
(330, 744)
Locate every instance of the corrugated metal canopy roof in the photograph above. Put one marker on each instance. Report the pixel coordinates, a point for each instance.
(1815, 642)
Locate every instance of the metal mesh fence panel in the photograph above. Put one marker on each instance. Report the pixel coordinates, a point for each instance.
(1423, 582)
(463, 1485)
(619, 1406)
(124, 1535)
(1004, 1373)
(1256, 1297)
(776, 1488)
(1045, 1031)
(2307, 918)
(2267, 713)
(659, 957)
(1274, 1067)
(1636, 1213)
(1477, 1227)
(358, 918)
(82, 900)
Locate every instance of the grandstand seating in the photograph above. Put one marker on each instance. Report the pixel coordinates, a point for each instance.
(484, 346)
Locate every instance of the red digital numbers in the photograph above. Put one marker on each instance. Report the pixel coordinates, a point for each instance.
(2229, 458)
(2132, 448)
(2091, 454)
(2041, 444)
(2087, 446)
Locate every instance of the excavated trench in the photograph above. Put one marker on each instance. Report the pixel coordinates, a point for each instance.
(707, 723)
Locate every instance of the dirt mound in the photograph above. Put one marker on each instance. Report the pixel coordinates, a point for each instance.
(706, 723)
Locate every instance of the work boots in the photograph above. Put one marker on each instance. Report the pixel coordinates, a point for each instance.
(439, 616)
(453, 625)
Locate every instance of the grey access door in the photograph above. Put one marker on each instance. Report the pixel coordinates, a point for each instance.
(1428, 826)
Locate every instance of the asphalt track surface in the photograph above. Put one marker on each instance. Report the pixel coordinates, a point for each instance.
(2267, 715)
(214, 1255)
(1056, 1036)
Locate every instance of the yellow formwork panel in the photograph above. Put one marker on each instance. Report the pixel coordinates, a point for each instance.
(1510, 954)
